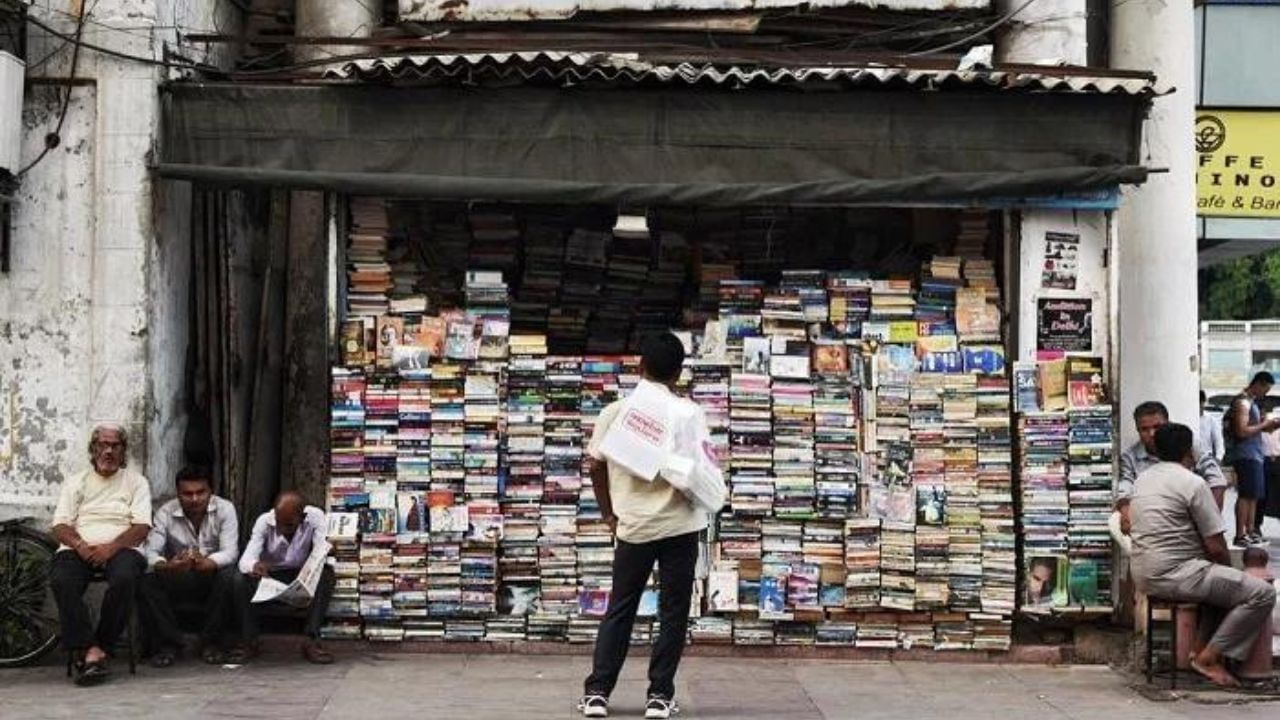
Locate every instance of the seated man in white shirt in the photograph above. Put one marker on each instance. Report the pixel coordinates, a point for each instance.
(281, 542)
(102, 518)
(192, 550)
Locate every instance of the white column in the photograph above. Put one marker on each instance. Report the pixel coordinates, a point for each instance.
(326, 18)
(1049, 32)
(1156, 246)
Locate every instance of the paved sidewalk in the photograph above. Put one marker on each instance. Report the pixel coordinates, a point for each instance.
(398, 686)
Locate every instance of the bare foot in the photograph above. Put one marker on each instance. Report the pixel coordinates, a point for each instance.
(94, 654)
(1215, 673)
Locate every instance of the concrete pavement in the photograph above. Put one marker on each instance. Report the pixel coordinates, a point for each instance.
(402, 686)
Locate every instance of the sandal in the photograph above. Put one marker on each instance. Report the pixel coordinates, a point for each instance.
(315, 654)
(242, 654)
(91, 673)
(163, 659)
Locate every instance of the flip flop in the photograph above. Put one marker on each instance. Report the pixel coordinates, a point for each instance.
(92, 673)
(1202, 672)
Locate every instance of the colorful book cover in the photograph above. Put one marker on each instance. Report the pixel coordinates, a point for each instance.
(1026, 386)
(722, 590)
(390, 335)
(831, 358)
(1082, 586)
(1046, 581)
(411, 513)
(1085, 387)
(354, 351)
(1052, 378)
(755, 355)
(931, 505)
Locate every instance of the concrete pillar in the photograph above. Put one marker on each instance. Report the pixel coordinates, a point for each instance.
(325, 18)
(1156, 249)
(1045, 32)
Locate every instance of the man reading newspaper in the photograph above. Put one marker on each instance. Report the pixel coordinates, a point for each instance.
(655, 480)
(284, 561)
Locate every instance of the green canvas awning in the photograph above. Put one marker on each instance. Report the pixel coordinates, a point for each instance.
(645, 145)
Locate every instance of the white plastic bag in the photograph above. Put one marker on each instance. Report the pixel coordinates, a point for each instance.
(640, 437)
(690, 467)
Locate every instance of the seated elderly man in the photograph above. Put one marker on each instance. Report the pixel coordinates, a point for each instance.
(281, 542)
(1180, 554)
(192, 549)
(101, 520)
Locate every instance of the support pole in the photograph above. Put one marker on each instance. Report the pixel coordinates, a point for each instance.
(1156, 250)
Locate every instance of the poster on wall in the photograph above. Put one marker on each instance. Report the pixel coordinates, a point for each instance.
(1061, 261)
(1064, 325)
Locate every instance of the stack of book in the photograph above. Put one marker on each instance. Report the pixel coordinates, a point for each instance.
(862, 563)
(1089, 493)
(495, 236)
(447, 520)
(1045, 506)
(795, 491)
(898, 566)
(995, 499)
(540, 284)
(751, 482)
(838, 465)
(710, 389)
(368, 272)
(448, 426)
(849, 303)
(521, 501)
(892, 300)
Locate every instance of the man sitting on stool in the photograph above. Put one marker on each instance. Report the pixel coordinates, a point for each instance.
(102, 517)
(281, 543)
(192, 548)
(1180, 554)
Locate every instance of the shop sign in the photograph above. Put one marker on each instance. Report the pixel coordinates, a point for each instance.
(1064, 325)
(1237, 163)
(528, 10)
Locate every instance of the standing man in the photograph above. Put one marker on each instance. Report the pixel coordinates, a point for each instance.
(653, 522)
(1245, 424)
(281, 542)
(102, 518)
(1180, 553)
(1210, 436)
(1149, 417)
(192, 550)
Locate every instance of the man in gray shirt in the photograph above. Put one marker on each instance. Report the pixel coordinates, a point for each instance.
(1149, 417)
(1180, 554)
(192, 550)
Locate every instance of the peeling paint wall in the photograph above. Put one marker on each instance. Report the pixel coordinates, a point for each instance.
(93, 312)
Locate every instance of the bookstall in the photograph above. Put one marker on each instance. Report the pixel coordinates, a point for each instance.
(852, 365)
(854, 255)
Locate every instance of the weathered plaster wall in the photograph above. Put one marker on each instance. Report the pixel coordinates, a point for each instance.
(93, 313)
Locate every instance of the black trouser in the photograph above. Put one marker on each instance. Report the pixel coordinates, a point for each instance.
(162, 590)
(632, 564)
(246, 612)
(69, 577)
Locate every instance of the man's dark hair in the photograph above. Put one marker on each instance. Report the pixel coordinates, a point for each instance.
(1150, 407)
(1263, 378)
(662, 356)
(194, 472)
(1173, 442)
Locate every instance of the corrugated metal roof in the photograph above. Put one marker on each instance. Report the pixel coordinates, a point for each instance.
(630, 68)
(518, 10)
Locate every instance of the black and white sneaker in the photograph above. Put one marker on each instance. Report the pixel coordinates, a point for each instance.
(594, 706)
(660, 708)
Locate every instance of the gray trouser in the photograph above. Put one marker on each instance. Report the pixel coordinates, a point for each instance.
(1246, 603)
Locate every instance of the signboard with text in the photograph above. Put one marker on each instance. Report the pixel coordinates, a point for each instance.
(1237, 163)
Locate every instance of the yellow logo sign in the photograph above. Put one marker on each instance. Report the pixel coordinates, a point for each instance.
(1238, 163)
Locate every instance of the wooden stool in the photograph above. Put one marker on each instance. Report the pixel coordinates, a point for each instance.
(1180, 617)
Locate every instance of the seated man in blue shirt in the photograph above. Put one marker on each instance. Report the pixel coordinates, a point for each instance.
(280, 545)
(191, 550)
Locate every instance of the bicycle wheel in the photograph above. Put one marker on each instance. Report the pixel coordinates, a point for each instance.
(28, 615)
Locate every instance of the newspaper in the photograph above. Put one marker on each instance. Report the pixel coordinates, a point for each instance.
(299, 592)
